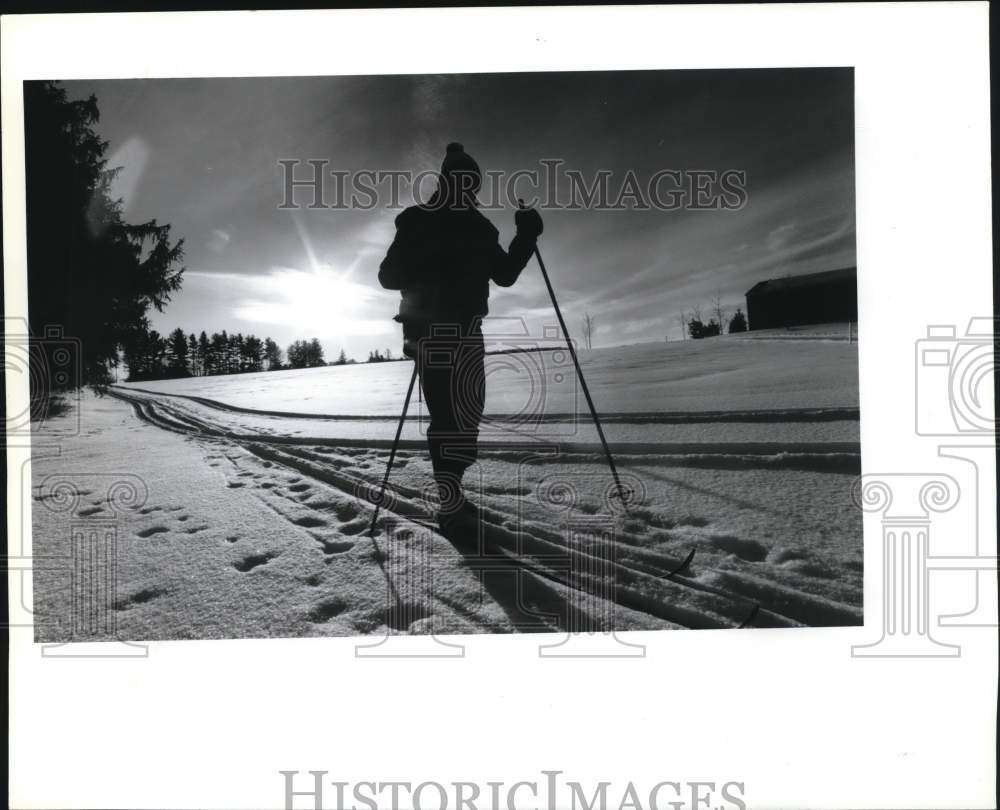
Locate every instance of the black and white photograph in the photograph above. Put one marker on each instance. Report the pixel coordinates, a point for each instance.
(579, 407)
(448, 354)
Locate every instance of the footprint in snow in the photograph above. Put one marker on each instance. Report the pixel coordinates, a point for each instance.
(354, 527)
(252, 561)
(138, 598)
(326, 610)
(335, 546)
(309, 522)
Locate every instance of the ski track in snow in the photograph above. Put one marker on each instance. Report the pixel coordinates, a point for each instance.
(323, 486)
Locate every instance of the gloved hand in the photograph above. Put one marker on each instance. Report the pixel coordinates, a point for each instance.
(529, 223)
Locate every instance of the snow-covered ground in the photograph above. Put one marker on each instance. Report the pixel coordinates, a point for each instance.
(254, 521)
(716, 374)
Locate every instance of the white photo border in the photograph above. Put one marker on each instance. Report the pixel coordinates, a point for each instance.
(790, 713)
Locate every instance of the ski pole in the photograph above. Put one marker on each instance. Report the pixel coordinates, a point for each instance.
(579, 373)
(392, 453)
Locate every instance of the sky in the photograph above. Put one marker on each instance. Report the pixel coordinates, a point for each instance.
(202, 155)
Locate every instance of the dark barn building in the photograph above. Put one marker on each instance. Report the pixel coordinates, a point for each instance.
(827, 297)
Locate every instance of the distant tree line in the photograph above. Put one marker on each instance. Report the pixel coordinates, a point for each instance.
(151, 356)
(375, 356)
(694, 325)
(697, 328)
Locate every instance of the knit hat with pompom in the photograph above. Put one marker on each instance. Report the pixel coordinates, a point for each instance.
(456, 159)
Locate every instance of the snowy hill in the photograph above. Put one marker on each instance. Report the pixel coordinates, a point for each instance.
(739, 453)
(750, 371)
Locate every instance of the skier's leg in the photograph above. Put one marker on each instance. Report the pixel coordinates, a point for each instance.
(458, 429)
(470, 393)
(459, 519)
(437, 371)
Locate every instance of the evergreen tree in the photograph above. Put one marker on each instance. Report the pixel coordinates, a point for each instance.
(177, 354)
(272, 354)
(219, 345)
(305, 354)
(738, 323)
(236, 360)
(253, 350)
(89, 271)
(296, 354)
(698, 329)
(316, 353)
(193, 354)
(156, 355)
(145, 353)
(204, 350)
(225, 353)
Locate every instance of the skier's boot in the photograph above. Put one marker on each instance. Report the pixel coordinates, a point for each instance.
(457, 518)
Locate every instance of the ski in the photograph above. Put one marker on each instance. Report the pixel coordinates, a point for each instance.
(495, 557)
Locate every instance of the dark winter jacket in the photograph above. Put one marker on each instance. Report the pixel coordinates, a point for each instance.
(443, 261)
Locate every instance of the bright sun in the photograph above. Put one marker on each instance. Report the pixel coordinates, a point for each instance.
(322, 301)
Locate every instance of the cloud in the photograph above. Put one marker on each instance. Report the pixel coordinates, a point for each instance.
(219, 241)
(780, 236)
(317, 274)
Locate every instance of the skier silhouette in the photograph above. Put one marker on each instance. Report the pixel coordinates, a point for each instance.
(442, 260)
